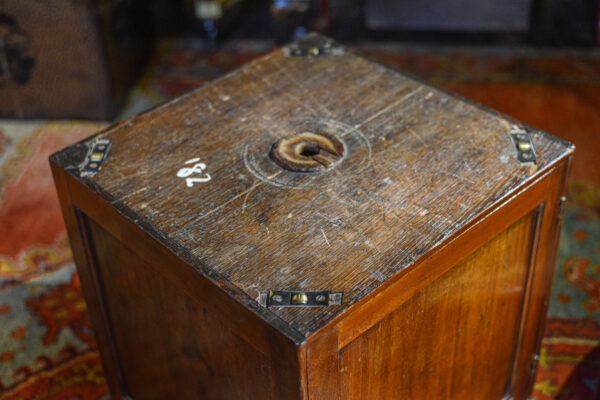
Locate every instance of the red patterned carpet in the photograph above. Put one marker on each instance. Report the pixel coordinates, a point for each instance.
(47, 350)
(47, 347)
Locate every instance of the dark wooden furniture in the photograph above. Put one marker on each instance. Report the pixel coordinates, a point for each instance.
(429, 218)
(70, 59)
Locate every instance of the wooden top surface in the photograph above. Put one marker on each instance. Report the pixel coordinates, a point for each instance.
(419, 165)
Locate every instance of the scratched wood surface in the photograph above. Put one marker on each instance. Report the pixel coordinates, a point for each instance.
(418, 165)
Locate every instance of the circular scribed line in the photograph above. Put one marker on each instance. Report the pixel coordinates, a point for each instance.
(258, 162)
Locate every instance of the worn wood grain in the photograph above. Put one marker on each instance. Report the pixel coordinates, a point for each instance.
(202, 356)
(470, 301)
(418, 210)
(412, 280)
(420, 165)
(505, 364)
(139, 292)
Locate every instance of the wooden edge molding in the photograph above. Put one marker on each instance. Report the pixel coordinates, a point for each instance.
(323, 367)
(94, 304)
(528, 288)
(543, 265)
(408, 282)
(247, 324)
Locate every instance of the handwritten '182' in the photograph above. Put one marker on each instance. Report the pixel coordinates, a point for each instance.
(191, 173)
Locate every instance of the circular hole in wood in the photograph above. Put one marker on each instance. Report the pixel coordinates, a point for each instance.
(308, 149)
(308, 152)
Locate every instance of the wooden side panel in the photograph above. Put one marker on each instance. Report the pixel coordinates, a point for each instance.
(169, 345)
(323, 367)
(105, 266)
(89, 284)
(536, 305)
(454, 339)
(542, 199)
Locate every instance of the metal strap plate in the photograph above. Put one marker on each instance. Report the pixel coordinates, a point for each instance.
(524, 145)
(300, 298)
(96, 156)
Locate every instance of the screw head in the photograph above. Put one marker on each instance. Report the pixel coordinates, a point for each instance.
(96, 157)
(300, 298)
(277, 298)
(524, 146)
(527, 156)
(320, 298)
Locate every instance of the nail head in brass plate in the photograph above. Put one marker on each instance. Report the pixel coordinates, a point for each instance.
(300, 298)
(98, 150)
(522, 140)
(313, 46)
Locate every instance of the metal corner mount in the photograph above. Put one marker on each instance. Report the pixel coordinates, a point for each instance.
(522, 140)
(300, 298)
(313, 46)
(98, 150)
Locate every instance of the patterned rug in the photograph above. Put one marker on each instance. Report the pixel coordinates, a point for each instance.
(569, 363)
(47, 349)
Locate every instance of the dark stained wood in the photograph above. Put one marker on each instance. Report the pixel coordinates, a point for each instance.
(93, 300)
(412, 178)
(428, 224)
(540, 281)
(103, 251)
(201, 356)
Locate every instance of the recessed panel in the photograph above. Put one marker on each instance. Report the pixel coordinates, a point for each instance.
(453, 337)
(169, 346)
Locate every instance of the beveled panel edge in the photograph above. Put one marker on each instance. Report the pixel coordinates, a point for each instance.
(99, 293)
(528, 287)
(545, 262)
